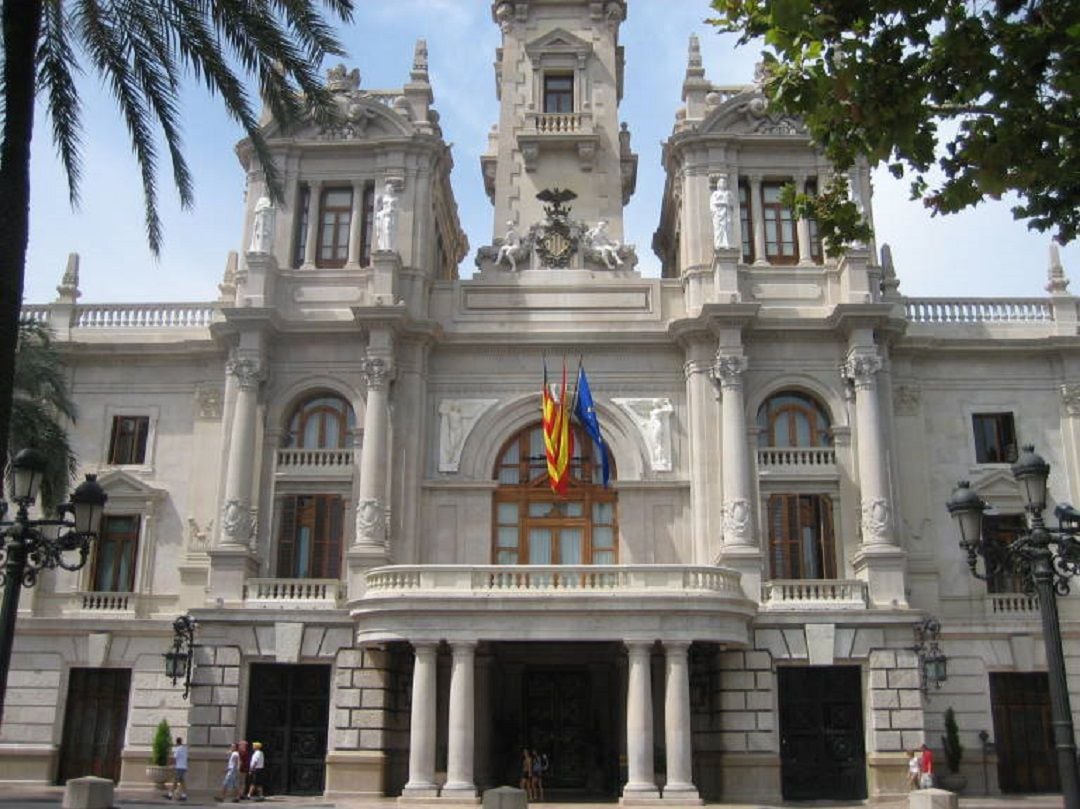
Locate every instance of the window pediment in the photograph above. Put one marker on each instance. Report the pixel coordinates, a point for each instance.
(748, 113)
(127, 492)
(555, 43)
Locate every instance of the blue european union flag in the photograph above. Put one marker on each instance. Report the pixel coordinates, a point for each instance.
(586, 414)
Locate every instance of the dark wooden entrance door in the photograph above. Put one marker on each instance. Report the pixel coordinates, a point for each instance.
(556, 711)
(289, 712)
(1022, 732)
(822, 755)
(94, 722)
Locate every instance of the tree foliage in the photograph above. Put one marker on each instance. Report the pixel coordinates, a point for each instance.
(161, 744)
(969, 98)
(42, 407)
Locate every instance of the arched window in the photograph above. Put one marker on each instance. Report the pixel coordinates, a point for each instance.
(793, 419)
(535, 526)
(325, 421)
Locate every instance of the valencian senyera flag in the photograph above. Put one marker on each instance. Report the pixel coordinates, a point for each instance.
(586, 414)
(558, 437)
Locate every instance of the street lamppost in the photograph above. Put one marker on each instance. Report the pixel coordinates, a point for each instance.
(1044, 559)
(30, 546)
(933, 665)
(178, 660)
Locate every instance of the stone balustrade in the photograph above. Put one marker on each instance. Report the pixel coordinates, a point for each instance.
(1018, 604)
(299, 593)
(37, 313)
(314, 462)
(107, 602)
(979, 310)
(777, 458)
(552, 579)
(144, 316)
(814, 594)
(561, 123)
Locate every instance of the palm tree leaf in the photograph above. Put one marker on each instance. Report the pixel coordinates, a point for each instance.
(56, 61)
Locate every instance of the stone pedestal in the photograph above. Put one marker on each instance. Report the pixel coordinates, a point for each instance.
(88, 792)
(933, 799)
(505, 798)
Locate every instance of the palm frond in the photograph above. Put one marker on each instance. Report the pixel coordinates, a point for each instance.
(56, 63)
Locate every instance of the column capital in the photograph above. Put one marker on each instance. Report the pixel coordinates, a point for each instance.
(463, 648)
(250, 372)
(862, 366)
(876, 521)
(755, 177)
(676, 648)
(425, 648)
(728, 369)
(639, 648)
(1070, 398)
(377, 372)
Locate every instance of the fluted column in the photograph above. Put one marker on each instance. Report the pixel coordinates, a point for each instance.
(677, 740)
(802, 225)
(758, 214)
(356, 225)
(372, 528)
(237, 518)
(863, 365)
(460, 754)
(311, 238)
(421, 783)
(641, 778)
(729, 369)
(704, 449)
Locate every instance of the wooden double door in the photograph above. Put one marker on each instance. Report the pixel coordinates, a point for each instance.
(1023, 734)
(822, 750)
(94, 723)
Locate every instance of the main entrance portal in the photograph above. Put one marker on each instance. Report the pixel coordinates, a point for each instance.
(561, 700)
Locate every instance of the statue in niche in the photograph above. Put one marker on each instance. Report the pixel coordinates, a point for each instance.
(386, 219)
(607, 248)
(721, 205)
(262, 228)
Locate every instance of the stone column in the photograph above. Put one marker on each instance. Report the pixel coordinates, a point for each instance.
(704, 449)
(482, 764)
(758, 215)
(641, 778)
(421, 783)
(237, 519)
(460, 754)
(372, 530)
(311, 238)
(802, 225)
(356, 225)
(677, 741)
(729, 369)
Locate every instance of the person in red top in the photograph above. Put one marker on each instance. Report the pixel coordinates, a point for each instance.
(245, 767)
(926, 768)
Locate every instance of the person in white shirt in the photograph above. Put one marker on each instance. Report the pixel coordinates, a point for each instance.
(180, 765)
(258, 762)
(230, 790)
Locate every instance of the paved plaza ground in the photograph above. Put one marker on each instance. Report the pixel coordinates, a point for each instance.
(53, 796)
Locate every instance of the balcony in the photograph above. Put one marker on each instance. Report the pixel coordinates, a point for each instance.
(799, 462)
(293, 593)
(306, 464)
(575, 130)
(1012, 605)
(554, 602)
(814, 595)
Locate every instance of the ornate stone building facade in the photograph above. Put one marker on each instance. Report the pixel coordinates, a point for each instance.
(337, 468)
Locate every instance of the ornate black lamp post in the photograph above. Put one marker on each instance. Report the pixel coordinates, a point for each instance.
(30, 546)
(933, 665)
(178, 660)
(1044, 559)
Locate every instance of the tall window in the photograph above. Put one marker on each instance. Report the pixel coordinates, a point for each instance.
(559, 92)
(303, 202)
(114, 554)
(335, 214)
(127, 444)
(746, 223)
(817, 254)
(793, 419)
(368, 212)
(780, 245)
(801, 537)
(995, 437)
(310, 539)
(534, 526)
(1000, 530)
(322, 422)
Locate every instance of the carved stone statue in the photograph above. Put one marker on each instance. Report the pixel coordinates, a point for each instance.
(386, 219)
(262, 229)
(721, 205)
(511, 244)
(652, 417)
(606, 247)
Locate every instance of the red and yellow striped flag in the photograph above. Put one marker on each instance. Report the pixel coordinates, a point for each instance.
(558, 437)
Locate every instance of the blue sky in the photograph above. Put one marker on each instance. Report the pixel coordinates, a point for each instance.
(978, 253)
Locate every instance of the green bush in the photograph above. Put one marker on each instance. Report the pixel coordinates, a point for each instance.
(162, 744)
(954, 751)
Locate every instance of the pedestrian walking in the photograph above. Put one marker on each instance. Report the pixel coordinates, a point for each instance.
(926, 768)
(245, 768)
(255, 768)
(229, 784)
(180, 766)
(914, 769)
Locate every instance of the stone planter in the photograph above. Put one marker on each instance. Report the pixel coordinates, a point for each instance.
(159, 775)
(952, 781)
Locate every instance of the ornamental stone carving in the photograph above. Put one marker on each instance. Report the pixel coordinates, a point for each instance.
(1070, 398)
(728, 370)
(376, 372)
(199, 536)
(457, 417)
(876, 518)
(652, 417)
(262, 228)
(737, 520)
(372, 526)
(906, 400)
(249, 371)
(862, 366)
(208, 402)
(721, 205)
(238, 521)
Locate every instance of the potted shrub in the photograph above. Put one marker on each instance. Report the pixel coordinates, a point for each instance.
(159, 770)
(953, 780)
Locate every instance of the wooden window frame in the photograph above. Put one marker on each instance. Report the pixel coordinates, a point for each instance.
(817, 250)
(815, 413)
(798, 512)
(127, 542)
(999, 530)
(1003, 447)
(323, 406)
(533, 487)
(367, 225)
(324, 514)
(303, 208)
(124, 452)
(554, 98)
(340, 221)
(775, 215)
(746, 222)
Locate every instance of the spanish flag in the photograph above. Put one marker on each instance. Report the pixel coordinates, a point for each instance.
(558, 437)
